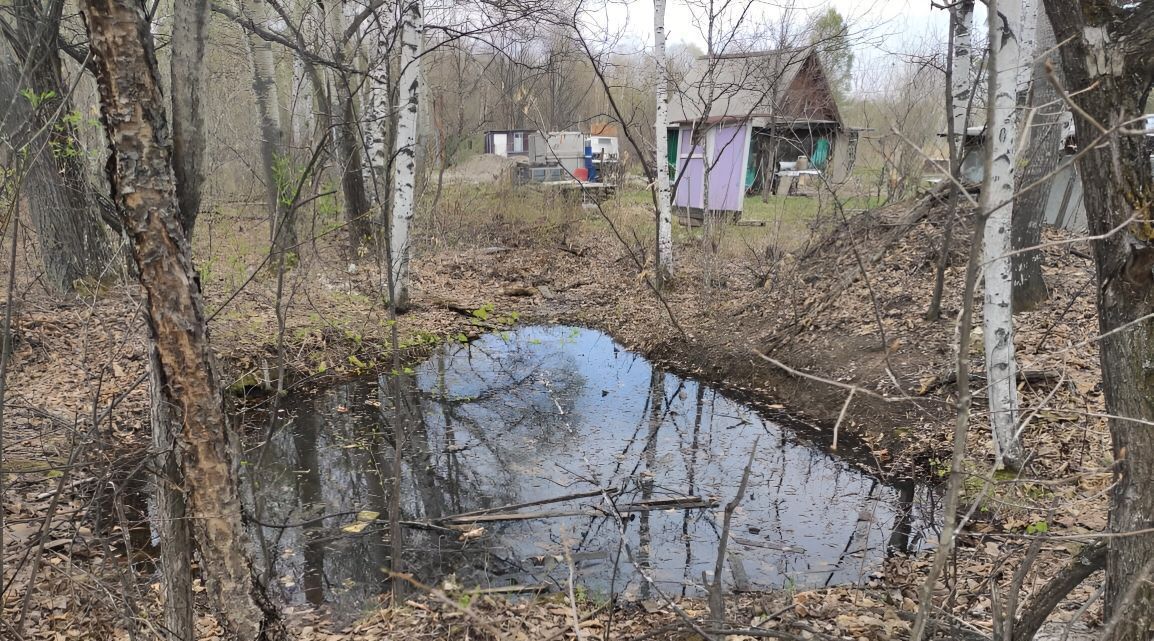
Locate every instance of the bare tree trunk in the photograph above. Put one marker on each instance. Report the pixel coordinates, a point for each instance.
(348, 139)
(769, 146)
(310, 118)
(380, 118)
(959, 91)
(1118, 186)
(142, 179)
(998, 187)
(405, 165)
(74, 245)
(664, 261)
(301, 109)
(189, 35)
(172, 511)
(276, 161)
(1041, 158)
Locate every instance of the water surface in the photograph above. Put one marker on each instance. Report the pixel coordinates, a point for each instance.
(545, 412)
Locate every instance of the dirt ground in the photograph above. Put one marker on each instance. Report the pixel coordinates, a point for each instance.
(76, 412)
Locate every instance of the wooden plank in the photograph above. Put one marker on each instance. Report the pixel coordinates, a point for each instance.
(611, 491)
(681, 503)
(508, 589)
(666, 503)
(737, 570)
(520, 516)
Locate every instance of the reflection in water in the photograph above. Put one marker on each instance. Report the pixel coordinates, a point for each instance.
(551, 411)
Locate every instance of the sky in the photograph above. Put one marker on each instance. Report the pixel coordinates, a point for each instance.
(880, 30)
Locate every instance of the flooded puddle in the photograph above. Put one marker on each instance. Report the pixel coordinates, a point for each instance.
(547, 412)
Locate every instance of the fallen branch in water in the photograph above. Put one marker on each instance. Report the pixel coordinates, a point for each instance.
(680, 503)
(517, 506)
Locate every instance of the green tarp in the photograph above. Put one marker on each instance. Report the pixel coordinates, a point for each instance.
(820, 153)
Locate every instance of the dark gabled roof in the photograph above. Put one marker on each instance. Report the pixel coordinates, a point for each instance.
(750, 85)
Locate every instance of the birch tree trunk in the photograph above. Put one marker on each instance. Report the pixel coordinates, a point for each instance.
(1041, 158)
(1108, 47)
(405, 165)
(959, 100)
(664, 266)
(380, 118)
(301, 121)
(142, 179)
(275, 159)
(1006, 54)
(1027, 45)
(961, 85)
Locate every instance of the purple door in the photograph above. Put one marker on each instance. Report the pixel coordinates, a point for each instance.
(727, 149)
(727, 173)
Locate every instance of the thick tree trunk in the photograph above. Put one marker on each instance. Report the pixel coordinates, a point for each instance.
(1041, 158)
(190, 33)
(1108, 48)
(664, 266)
(142, 179)
(997, 188)
(405, 165)
(74, 245)
(1027, 46)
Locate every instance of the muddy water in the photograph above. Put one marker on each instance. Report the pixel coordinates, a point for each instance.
(545, 412)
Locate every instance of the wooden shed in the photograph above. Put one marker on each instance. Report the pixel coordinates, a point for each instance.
(739, 118)
(510, 142)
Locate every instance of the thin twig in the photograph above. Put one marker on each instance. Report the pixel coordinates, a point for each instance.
(841, 417)
(573, 595)
(716, 597)
(1082, 611)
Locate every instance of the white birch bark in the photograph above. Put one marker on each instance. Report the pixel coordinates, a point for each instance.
(264, 69)
(272, 143)
(664, 267)
(961, 84)
(1028, 47)
(302, 106)
(379, 115)
(405, 163)
(1006, 56)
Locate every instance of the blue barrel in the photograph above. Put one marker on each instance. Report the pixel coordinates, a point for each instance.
(589, 162)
